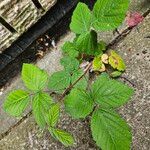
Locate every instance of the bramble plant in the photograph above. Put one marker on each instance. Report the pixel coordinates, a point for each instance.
(98, 99)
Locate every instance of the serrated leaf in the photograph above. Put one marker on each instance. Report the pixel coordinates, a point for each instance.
(109, 14)
(70, 49)
(53, 115)
(81, 19)
(97, 63)
(87, 43)
(78, 103)
(109, 93)
(34, 78)
(110, 131)
(115, 74)
(64, 137)
(58, 81)
(70, 64)
(116, 61)
(40, 104)
(81, 84)
(16, 102)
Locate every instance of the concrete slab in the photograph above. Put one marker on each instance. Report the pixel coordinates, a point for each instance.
(135, 49)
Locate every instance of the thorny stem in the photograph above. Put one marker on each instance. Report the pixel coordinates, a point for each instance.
(72, 85)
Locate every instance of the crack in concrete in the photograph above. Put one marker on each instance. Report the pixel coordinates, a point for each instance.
(124, 33)
(115, 41)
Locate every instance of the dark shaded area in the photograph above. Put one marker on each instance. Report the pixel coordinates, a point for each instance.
(53, 24)
(7, 25)
(37, 4)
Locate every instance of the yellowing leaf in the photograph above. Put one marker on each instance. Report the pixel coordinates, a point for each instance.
(104, 58)
(97, 63)
(103, 68)
(116, 61)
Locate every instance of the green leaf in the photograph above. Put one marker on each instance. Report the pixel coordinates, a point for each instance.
(87, 43)
(34, 78)
(16, 102)
(81, 19)
(109, 14)
(81, 84)
(53, 115)
(110, 93)
(116, 61)
(102, 45)
(64, 137)
(97, 63)
(116, 74)
(70, 64)
(110, 131)
(60, 80)
(70, 49)
(41, 104)
(78, 103)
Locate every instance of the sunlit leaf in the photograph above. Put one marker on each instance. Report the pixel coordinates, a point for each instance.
(33, 77)
(64, 137)
(16, 102)
(41, 103)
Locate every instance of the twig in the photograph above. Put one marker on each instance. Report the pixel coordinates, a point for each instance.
(128, 81)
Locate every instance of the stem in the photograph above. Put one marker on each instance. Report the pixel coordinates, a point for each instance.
(72, 85)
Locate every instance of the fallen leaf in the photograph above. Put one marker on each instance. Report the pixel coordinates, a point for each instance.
(133, 19)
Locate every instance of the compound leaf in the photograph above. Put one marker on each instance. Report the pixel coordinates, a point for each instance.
(41, 104)
(70, 49)
(78, 103)
(34, 78)
(110, 93)
(53, 115)
(81, 19)
(58, 81)
(109, 14)
(64, 137)
(87, 43)
(16, 102)
(110, 131)
(116, 61)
